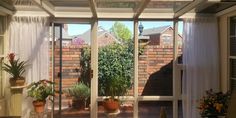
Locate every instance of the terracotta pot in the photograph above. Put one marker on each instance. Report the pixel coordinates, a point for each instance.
(78, 104)
(111, 105)
(17, 81)
(39, 106)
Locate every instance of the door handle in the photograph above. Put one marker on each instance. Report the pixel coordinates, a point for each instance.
(91, 73)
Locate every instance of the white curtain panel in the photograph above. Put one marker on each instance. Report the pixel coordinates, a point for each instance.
(29, 39)
(201, 62)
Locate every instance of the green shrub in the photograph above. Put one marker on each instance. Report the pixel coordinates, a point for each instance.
(79, 91)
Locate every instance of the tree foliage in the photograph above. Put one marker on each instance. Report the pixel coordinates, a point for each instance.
(121, 31)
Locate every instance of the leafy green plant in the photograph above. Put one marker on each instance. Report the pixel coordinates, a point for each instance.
(40, 90)
(115, 67)
(15, 68)
(85, 65)
(78, 91)
(115, 62)
(116, 86)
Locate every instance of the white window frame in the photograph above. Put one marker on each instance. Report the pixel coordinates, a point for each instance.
(135, 98)
(2, 56)
(229, 56)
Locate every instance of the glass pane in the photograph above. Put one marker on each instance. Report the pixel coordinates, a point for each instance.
(180, 109)
(75, 69)
(155, 109)
(1, 78)
(1, 25)
(116, 58)
(233, 46)
(166, 6)
(71, 3)
(155, 58)
(233, 27)
(56, 66)
(217, 7)
(180, 43)
(232, 37)
(233, 68)
(117, 3)
(1, 45)
(125, 110)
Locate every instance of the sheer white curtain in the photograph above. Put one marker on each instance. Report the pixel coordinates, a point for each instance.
(29, 40)
(201, 61)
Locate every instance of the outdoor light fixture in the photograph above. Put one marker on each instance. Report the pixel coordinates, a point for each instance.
(143, 40)
(140, 27)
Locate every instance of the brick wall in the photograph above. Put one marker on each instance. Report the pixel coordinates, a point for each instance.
(70, 64)
(155, 68)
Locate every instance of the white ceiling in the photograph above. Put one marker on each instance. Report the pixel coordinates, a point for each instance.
(123, 9)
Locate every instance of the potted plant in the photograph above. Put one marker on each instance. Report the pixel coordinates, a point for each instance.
(16, 69)
(80, 93)
(214, 104)
(114, 87)
(40, 91)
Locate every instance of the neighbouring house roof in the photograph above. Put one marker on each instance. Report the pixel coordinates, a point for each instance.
(156, 30)
(86, 36)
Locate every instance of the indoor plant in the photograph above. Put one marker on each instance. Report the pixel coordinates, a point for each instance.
(214, 104)
(79, 92)
(16, 69)
(40, 91)
(114, 87)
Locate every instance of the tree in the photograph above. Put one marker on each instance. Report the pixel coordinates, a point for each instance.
(121, 31)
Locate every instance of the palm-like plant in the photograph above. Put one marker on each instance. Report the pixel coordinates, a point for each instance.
(15, 68)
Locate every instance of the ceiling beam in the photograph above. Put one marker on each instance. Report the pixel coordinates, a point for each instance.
(5, 11)
(46, 6)
(93, 8)
(6, 8)
(141, 8)
(189, 7)
(172, 0)
(203, 6)
(228, 10)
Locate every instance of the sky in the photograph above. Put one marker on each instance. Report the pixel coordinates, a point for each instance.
(75, 29)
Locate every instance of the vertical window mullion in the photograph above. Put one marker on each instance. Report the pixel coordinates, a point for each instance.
(135, 115)
(175, 77)
(94, 67)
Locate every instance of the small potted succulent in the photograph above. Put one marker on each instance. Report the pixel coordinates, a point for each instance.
(16, 69)
(40, 91)
(80, 93)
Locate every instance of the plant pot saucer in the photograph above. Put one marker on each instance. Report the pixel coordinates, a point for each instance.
(112, 114)
(18, 87)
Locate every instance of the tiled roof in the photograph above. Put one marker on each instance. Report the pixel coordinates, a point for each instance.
(156, 30)
(86, 35)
